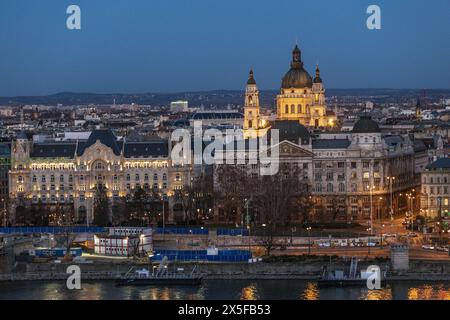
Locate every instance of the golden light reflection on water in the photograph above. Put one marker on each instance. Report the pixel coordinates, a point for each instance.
(249, 293)
(311, 291)
(382, 294)
(429, 292)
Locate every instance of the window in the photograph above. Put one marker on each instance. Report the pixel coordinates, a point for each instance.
(299, 108)
(353, 165)
(341, 187)
(330, 175)
(155, 176)
(318, 187)
(354, 187)
(115, 178)
(330, 187)
(70, 178)
(20, 179)
(34, 178)
(43, 179)
(164, 177)
(52, 178)
(136, 178)
(43, 187)
(128, 177)
(177, 177)
(366, 175)
(292, 108)
(146, 177)
(286, 109)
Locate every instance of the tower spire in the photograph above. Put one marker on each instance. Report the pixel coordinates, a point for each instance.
(251, 79)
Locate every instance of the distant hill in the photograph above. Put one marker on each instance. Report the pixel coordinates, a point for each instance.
(218, 98)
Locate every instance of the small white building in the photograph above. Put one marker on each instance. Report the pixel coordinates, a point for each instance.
(179, 106)
(124, 241)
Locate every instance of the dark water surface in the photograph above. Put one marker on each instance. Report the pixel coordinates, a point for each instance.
(223, 289)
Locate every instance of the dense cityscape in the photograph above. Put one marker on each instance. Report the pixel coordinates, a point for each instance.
(304, 191)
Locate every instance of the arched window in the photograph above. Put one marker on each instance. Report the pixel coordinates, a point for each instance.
(82, 214)
(341, 187)
(155, 176)
(137, 177)
(99, 165)
(318, 187)
(330, 187)
(286, 109)
(299, 108)
(146, 177)
(292, 108)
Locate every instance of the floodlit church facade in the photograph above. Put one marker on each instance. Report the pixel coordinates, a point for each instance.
(301, 98)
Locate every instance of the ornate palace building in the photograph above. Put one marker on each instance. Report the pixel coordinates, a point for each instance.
(57, 174)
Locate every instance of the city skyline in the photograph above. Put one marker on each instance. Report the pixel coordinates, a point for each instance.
(158, 47)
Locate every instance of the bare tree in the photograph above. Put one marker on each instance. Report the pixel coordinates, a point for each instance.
(234, 186)
(280, 199)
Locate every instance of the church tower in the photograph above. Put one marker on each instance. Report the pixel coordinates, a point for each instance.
(252, 118)
(418, 110)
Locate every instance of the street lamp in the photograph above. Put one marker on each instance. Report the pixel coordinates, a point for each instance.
(309, 240)
(369, 230)
(391, 180)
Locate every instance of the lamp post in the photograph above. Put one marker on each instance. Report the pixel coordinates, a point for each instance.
(309, 240)
(391, 180)
(4, 212)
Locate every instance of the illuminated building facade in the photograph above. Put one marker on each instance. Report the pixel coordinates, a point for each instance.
(301, 97)
(57, 174)
(436, 189)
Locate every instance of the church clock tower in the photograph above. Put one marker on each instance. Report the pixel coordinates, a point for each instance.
(251, 106)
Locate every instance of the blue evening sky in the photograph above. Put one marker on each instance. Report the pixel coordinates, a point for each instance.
(180, 45)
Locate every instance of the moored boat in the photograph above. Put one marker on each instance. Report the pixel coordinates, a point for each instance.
(143, 277)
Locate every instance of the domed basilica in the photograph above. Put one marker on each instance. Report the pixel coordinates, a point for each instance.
(301, 98)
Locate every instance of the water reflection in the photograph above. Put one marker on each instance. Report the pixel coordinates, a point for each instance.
(429, 292)
(382, 294)
(311, 291)
(224, 289)
(249, 293)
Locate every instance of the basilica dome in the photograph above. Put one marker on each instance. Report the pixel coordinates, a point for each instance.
(297, 77)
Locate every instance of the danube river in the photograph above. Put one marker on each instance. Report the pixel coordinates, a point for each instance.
(220, 289)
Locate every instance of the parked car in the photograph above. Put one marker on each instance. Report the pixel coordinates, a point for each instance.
(441, 248)
(428, 247)
(389, 235)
